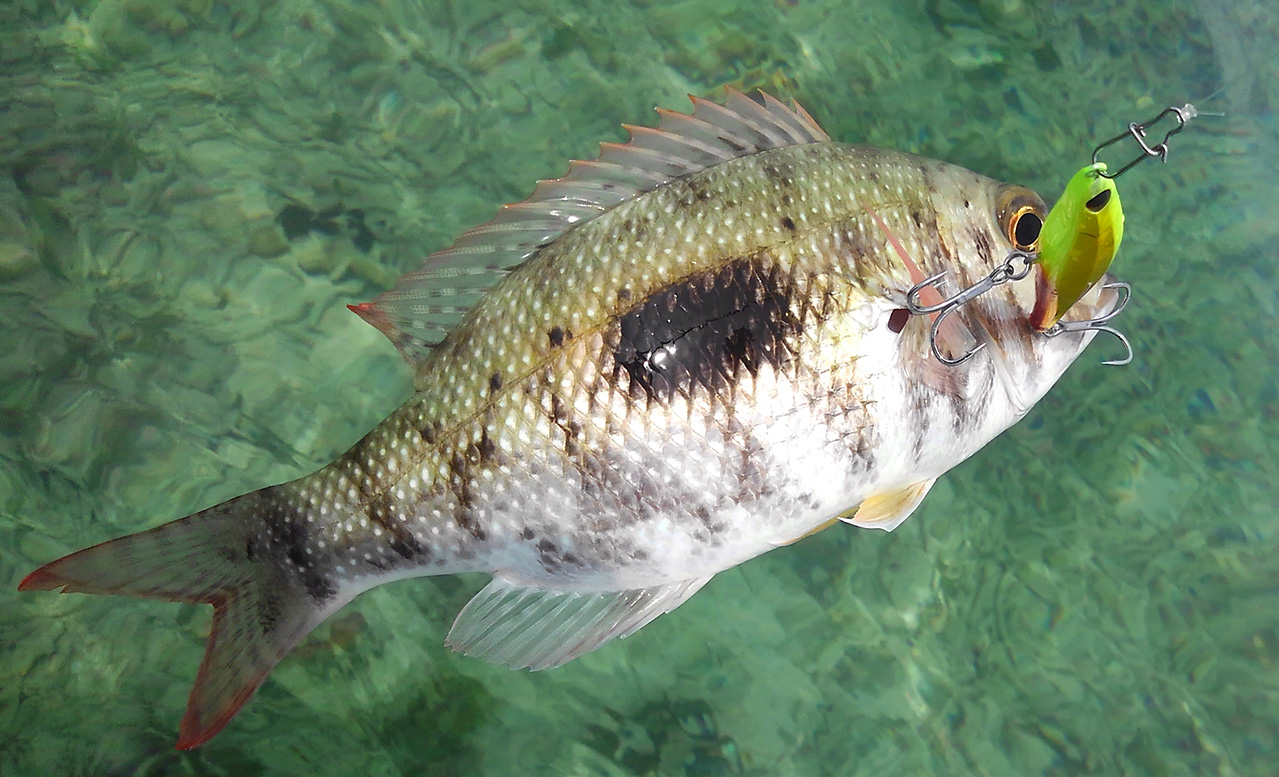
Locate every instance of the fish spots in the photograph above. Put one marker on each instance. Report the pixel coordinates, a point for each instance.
(495, 382)
(464, 467)
(780, 174)
(552, 557)
(427, 432)
(557, 335)
(561, 418)
(637, 229)
(624, 295)
(705, 331)
(381, 512)
(985, 248)
(697, 191)
(788, 224)
(289, 539)
(462, 484)
(486, 448)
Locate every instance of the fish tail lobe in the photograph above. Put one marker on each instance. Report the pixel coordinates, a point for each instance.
(260, 609)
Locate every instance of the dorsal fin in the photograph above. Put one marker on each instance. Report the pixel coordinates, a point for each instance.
(426, 303)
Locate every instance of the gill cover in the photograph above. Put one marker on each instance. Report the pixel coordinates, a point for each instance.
(1078, 241)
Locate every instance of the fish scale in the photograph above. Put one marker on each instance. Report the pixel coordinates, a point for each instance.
(625, 404)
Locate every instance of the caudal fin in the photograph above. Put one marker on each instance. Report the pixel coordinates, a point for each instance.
(260, 609)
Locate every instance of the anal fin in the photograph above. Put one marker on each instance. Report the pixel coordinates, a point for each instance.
(539, 628)
(890, 509)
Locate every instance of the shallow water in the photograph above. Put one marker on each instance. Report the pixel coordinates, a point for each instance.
(1097, 592)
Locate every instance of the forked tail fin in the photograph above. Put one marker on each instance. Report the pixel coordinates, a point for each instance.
(221, 556)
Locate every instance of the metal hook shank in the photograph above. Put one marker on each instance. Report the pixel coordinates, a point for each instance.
(1003, 273)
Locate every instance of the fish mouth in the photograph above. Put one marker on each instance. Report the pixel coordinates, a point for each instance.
(1091, 314)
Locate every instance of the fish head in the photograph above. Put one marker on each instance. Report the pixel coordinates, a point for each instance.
(999, 219)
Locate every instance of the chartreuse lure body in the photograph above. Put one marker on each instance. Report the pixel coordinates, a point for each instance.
(1077, 243)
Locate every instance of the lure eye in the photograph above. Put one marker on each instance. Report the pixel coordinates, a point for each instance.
(1097, 203)
(1023, 229)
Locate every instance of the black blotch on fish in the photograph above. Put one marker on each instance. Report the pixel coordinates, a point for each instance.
(286, 530)
(705, 331)
(557, 336)
(623, 295)
(495, 382)
(788, 223)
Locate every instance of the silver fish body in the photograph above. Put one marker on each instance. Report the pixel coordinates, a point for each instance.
(707, 369)
(693, 378)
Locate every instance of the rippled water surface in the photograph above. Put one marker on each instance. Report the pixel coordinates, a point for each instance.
(191, 191)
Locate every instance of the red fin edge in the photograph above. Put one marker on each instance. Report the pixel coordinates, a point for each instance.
(196, 727)
(41, 580)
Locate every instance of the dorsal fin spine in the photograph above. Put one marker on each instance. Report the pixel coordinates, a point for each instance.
(681, 144)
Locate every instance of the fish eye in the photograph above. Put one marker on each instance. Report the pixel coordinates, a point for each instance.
(1023, 229)
(1020, 212)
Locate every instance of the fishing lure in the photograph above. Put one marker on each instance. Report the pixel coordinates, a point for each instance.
(1077, 243)
(1075, 246)
(1083, 230)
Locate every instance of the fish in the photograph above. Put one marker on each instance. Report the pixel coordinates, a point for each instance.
(681, 355)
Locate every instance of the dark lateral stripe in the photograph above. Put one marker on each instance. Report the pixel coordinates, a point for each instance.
(706, 330)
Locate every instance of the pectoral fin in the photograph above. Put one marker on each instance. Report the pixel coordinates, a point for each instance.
(537, 628)
(888, 510)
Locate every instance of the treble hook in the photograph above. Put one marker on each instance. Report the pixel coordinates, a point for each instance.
(1137, 131)
(1003, 273)
(1099, 324)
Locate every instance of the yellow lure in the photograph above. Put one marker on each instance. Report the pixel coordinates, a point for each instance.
(1077, 243)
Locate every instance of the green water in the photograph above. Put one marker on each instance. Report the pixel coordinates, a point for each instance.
(1095, 593)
